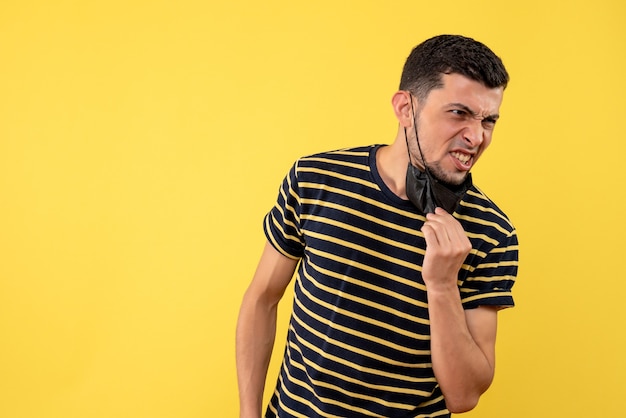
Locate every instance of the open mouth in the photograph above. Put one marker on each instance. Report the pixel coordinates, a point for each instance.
(463, 158)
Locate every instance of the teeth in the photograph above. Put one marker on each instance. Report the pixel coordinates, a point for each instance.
(464, 158)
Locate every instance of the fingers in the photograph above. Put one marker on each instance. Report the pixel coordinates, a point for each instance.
(441, 223)
(441, 228)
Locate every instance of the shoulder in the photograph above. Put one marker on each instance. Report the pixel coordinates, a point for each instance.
(350, 161)
(477, 209)
(338, 156)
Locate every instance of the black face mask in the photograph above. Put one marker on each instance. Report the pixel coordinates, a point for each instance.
(427, 193)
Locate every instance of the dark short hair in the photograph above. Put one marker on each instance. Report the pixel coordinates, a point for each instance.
(448, 54)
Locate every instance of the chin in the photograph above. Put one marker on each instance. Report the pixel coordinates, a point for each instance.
(451, 177)
(448, 180)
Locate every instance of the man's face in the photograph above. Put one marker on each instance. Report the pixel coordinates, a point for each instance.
(454, 125)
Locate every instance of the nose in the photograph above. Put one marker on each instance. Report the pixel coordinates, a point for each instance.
(473, 133)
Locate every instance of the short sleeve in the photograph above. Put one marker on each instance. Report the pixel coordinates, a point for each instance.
(282, 223)
(491, 282)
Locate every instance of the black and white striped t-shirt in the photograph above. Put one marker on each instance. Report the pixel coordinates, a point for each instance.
(358, 342)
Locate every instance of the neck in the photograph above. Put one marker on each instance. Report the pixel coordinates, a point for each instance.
(392, 161)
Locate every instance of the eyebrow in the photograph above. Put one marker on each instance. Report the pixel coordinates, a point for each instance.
(475, 115)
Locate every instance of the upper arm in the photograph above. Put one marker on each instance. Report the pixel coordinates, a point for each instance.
(272, 276)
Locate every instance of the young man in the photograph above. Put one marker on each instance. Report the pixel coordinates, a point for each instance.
(403, 263)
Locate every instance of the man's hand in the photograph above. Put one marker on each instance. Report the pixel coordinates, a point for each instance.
(447, 246)
(462, 342)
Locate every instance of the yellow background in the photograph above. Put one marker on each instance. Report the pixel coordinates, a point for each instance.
(141, 143)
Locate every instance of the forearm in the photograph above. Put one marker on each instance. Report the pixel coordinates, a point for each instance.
(463, 369)
(256, 330)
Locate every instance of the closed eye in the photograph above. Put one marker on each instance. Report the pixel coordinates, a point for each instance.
(489, 123)
(459, 112)
(463, 112)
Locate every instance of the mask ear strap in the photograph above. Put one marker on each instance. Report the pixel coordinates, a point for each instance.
(406, 139)
(419, 148)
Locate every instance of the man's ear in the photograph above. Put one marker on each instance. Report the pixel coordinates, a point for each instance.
(401, 102)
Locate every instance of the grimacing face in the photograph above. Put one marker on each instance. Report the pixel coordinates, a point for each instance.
(455, 125)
